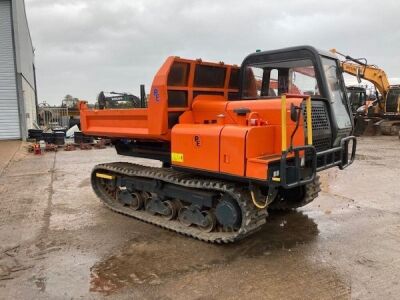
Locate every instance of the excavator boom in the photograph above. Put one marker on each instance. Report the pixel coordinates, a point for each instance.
(388, 109)
(360, 69)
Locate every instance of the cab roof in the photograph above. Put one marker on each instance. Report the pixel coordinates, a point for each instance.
(297, 52)
(297, 49)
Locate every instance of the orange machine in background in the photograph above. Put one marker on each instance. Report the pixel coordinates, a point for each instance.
(233, 141)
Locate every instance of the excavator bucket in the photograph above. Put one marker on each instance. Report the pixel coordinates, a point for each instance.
(389, 127)
(375, 126)
(365, 126)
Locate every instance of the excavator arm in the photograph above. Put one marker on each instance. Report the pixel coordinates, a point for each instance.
(362, 70)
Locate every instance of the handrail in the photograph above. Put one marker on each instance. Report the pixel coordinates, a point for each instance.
(283, 123)
(309, 121)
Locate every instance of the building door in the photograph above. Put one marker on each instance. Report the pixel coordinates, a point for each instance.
(9, 115)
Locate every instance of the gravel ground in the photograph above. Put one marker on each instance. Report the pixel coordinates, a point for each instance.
(59, 242)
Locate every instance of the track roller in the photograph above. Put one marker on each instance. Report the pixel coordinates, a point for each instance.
(172, 209)
(192, 215)
(155, 205)
(133, 200)
(210, 221)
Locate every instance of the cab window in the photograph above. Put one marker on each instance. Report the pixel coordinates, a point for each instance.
(274, 79)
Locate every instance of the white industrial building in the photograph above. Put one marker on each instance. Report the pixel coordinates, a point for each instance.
(18, 98)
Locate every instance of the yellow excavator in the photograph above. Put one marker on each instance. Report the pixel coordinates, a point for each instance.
(387, 106)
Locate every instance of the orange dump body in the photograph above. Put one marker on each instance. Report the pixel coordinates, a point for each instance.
(172, 92)
(190, 106)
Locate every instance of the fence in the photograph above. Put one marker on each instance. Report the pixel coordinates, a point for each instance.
(52, 117)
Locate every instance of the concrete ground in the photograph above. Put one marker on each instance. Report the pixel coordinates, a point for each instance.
(7, 150)
(59, 242)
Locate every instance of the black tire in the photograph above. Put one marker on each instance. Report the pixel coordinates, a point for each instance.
(296, 197)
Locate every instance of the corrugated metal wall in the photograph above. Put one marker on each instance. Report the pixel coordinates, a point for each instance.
(29, 104)
(9, 116)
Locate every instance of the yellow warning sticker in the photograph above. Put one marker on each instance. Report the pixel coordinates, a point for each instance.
(176, 157)
(105, 176)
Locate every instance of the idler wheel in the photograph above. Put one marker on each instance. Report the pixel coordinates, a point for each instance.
(228, 212)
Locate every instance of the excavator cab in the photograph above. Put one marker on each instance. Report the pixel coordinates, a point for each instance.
(357, 97)
(392, 109)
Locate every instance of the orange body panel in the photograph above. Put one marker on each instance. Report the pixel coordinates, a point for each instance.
(260, 141)
(157, 105)
(259, 144)
(197, 145)
(258, 167)
(104, 122)
(232, 154)
(207, 108)
(269, 110)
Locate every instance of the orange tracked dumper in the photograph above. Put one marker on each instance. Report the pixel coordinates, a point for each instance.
(234, 142)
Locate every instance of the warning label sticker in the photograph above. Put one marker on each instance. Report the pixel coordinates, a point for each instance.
(176, 157)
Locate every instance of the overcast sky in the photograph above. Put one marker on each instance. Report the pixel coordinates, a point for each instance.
(86, 46)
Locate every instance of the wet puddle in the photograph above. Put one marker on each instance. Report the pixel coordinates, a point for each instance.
(151, 260)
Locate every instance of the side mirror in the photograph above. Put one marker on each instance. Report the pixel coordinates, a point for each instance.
(293, 113)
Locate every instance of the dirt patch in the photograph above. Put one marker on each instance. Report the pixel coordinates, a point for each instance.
(8, 149)
(154, 260)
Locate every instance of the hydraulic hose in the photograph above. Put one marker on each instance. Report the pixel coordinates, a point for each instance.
(260, 206)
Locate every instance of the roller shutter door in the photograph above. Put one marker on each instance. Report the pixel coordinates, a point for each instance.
(9, 117)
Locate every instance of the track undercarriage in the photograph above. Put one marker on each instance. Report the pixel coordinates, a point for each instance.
(214, 211)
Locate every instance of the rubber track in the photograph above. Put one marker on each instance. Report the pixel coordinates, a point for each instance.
(252, 217)
(311, 192)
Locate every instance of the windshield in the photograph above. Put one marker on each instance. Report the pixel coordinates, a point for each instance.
(275, 78)
(336, 93)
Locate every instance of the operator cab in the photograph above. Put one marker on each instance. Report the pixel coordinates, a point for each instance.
(393, 101)
(357, 97)
(301, 70)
